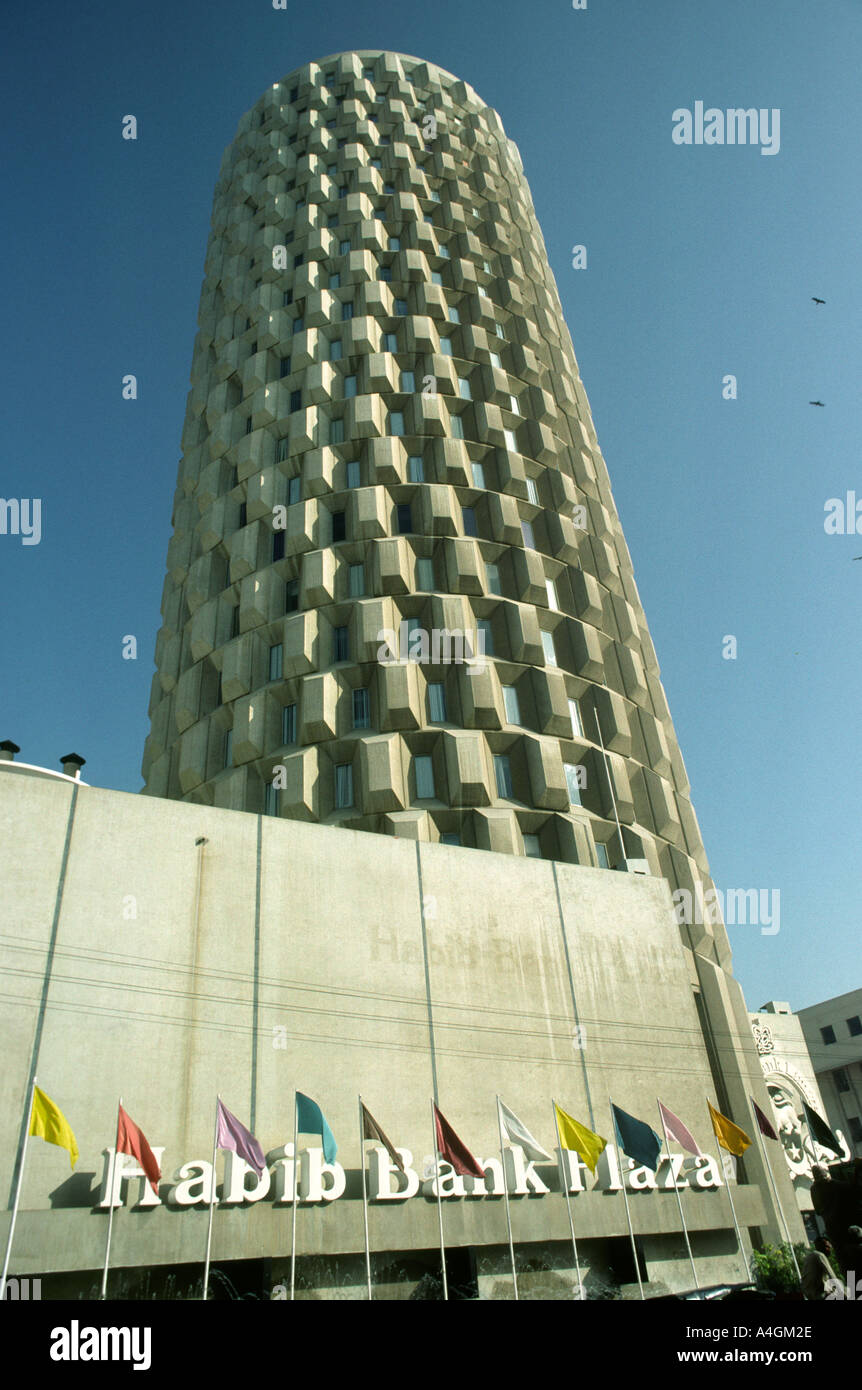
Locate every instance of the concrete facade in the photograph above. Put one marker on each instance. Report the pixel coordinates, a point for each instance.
(833, 1032)
(275, 956)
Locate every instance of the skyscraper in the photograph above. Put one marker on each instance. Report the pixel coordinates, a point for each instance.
(387, 434)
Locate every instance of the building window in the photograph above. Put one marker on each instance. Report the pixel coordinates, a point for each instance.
(291, 596)
(500, 333)
(842, 1081)
(286, 298)
(575, 716)
(404, 518)
(288, 724)
(511, 441)
(248, 425)
(389, 343)
(277, 546)
(297, 261)
(396, 422)
(339, 527)
(335, 350)
(468, 520)
(464, 389)
(446, 347)
(234, 621)
(602, 855)
(425, 573)
(408, 381)
(270, 800)
(484, 626)
(361, 709)
(424, 772)
(572, 775)
(353, 473)
(336, 431)
(332, 220)
(384, 274)
(478, 475)
(275, 662)
(854, 1024)
(436, 277)
(340, 645)
(394, 243)
(457, 425)
(532, 848)
(243, 515)
(349, 387)
(284, 367)
(228, 748)
(415, 468)
(343, 786)
(400, 307)
(343, 248)
(510, 701)
(357, 581)
(298, 324)
(503, 774)
(335, 281)
(532, 492)
(492, 578)
(495, 360)
(828, 1034)
(436, 703)
(527, 533)
(294, 488)
(548, 648)
(454, 316)
(855, 1126)
(551, 589)
(346, 312)
(295, 401)
(450, 837)
(281, 450)
(513, 401)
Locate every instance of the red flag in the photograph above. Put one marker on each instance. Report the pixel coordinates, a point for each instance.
(454, 1150)
(132, 1141)
(765, 1126)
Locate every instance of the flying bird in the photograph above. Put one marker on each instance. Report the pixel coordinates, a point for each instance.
(857, 557)
(818, 301)
(823, 403)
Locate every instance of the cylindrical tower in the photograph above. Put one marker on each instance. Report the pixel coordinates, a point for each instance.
(388, 453)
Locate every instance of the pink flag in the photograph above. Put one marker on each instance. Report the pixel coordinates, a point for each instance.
(233, 1135)
(677, 1130)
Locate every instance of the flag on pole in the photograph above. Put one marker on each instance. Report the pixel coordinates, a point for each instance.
(454, 1150)
(517, 1133)
(372, 1130)
(729, 1135)
(763, 1124)
(132, 1141)
(309, 1120)
(230, 1134)
(677, 1130)
(48, 1122)
(636, 1139)
(579, 1139)
(820, 1130)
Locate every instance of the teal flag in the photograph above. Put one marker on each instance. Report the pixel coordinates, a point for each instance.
(310, 1120)
(636, 1139)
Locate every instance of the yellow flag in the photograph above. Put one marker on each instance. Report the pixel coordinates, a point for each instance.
(581, 1140)
(49, 1123)
(729, 1135)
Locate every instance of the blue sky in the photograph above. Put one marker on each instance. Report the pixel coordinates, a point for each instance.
(702, 261)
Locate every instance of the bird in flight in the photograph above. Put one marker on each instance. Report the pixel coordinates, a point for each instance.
(823, 403)
(818, 301)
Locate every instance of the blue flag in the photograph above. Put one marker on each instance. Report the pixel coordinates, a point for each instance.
(309, 1120)
(636, 1139)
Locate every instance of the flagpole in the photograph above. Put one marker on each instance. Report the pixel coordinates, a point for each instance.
(678, 1198)
(440, 1202)
(22, 1151)
(364, 1197)
(212, 1206)
(565, 1180)
(506, 1195)
(295, 1187)
(626, 1200)
(733, 1212)
(111, 1204)
(763, 1149)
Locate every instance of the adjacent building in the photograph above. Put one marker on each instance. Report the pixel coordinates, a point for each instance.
(833, 1032)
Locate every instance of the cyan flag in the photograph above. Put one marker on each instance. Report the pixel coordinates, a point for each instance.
(309, 1120)
(636, 1139)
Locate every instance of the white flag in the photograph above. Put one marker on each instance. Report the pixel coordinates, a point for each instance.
(518, 1133)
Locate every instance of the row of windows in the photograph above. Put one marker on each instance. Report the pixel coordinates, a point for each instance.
(422, 770)
(854, 1028)
(404, 527)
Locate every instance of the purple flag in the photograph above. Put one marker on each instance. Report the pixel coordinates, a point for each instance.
(232, 1135)
(677, 1130)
